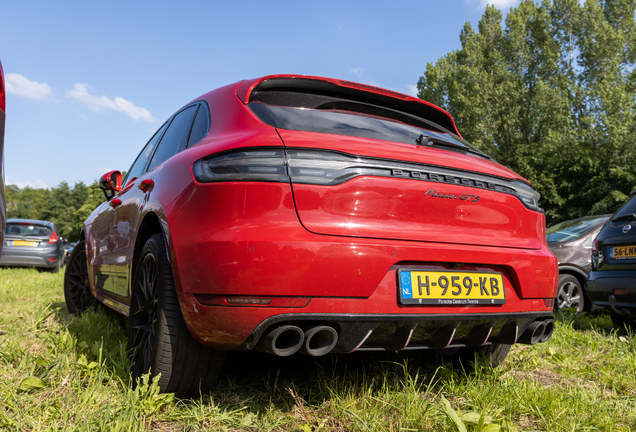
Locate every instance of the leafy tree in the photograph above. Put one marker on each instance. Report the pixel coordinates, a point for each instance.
(551, 95)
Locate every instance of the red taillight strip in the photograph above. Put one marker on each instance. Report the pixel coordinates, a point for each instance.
(3, 101)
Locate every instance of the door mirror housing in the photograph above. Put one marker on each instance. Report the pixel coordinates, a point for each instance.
(110, 184)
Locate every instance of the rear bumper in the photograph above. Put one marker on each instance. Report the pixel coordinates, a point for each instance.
(600, 285)
(20, 259)
(221, 246)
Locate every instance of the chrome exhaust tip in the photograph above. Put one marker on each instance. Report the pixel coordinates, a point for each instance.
(319, 340)
(282, 341)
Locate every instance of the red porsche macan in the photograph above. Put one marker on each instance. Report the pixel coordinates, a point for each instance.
(296, 214)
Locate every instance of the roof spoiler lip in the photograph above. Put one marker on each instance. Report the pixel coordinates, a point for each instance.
(245, 88)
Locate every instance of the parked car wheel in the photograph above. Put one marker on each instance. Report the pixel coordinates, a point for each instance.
(570, 294)
(77, 290)
(158, 339)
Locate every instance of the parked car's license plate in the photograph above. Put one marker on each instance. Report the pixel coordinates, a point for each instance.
(450, 287)
(24, 243)
(623, 252)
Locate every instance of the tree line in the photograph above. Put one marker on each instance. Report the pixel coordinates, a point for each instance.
(551, 93)
(66, 207)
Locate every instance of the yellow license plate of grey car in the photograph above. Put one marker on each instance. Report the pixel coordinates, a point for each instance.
(450, 288)
(623, 252)
(24, 243)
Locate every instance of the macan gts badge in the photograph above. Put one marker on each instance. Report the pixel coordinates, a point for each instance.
(305, 215)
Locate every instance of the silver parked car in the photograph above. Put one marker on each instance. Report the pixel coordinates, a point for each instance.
(32, 243)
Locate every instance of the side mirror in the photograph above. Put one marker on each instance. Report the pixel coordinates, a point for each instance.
(110, 184)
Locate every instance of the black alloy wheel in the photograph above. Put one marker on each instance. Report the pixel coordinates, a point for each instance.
(159, 341)
(143, 316)
(570, 294)
(77, 289)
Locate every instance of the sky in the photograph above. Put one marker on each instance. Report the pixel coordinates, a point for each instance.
(89, 82)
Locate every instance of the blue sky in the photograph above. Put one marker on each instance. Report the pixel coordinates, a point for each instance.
(89, 82)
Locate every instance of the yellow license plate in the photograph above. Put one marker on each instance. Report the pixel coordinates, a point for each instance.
(24, 243)
(623, 252)
(452, 288)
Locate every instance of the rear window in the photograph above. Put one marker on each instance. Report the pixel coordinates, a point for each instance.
(336, 119)
(573, 229)
(628, 209)
(28, 230)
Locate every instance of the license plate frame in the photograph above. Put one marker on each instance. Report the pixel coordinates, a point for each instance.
(484, 284)
(629, 254)
(24, 243)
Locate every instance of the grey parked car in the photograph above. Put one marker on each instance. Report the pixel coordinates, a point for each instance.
(571, 242)
(32, 243)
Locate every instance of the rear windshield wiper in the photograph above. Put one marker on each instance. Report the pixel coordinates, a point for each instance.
(625, 217)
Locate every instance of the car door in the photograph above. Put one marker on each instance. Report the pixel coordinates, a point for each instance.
(133, 198)
(106, 229)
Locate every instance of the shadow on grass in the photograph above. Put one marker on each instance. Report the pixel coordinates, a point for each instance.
(257, 381)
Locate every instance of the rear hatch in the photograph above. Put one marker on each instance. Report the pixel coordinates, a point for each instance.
(617, 240)
(366, 163)
(26, 235)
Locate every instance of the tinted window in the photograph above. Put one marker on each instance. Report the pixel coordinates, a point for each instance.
(137, 168)
(175, 137)
(337, 121)
(573, 229)
(200, 125)
(628, 209)
(26, 229)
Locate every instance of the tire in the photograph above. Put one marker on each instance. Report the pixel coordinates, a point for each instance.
(569, 294)
(158, 339)
(57, 267)
(495, 354)
(77, 290)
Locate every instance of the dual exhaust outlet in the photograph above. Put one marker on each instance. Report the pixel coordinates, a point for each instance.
(289, 339)
(537, 331)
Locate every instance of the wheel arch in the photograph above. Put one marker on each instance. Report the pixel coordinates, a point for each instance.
(150, 225)
(580, 275)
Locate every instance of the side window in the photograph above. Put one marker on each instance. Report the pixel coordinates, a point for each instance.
(201, 125)
(138, 166)
(175, 137)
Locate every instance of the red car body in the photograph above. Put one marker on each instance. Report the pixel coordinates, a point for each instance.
(252, 256)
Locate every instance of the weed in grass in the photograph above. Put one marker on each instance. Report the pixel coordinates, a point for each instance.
(59, 372)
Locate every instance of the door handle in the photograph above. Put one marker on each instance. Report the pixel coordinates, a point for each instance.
(146, 185)
(115, 202)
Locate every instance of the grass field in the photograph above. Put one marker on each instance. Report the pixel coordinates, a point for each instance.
(63, 373)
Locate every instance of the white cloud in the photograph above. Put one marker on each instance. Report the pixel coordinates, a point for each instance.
(358, 70)
(22, 86)
(411, 89)
(101, 103)
(499, 4)
(38, 184)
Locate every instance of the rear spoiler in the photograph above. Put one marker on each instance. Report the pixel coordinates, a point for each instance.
(347, 90)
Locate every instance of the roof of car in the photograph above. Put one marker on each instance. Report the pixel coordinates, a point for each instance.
(32, 221)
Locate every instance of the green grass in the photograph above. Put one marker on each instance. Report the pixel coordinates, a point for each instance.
(58, 372)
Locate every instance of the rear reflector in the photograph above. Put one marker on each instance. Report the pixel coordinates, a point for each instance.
(621, 292)
(213, 300)
(548, 302)
(52, 259)
(53, 239)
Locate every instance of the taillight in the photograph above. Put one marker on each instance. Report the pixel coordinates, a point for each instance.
(3, 106)
(595, 246)
(247, 165)
(53, 238)
(328, 168)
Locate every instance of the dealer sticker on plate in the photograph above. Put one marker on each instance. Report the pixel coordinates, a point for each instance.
(449, 287)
